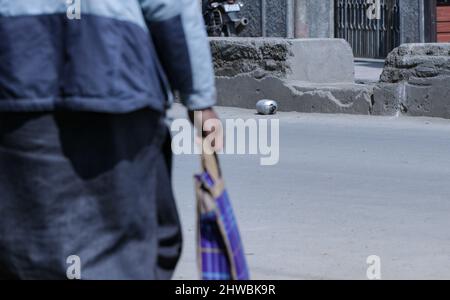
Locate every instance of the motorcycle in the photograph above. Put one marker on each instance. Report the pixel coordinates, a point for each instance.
(223, 18)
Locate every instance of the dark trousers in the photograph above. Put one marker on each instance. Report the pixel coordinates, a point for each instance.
(93, 185)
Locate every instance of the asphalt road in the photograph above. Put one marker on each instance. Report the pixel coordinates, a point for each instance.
(346, 187)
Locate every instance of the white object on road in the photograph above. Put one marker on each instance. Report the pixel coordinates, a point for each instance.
(267, 107)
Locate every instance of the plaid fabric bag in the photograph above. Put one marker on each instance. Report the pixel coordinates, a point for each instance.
(219, 246)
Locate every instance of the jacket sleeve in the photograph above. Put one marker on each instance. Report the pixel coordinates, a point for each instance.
(180, 39)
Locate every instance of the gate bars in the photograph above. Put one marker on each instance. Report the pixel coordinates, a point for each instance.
(368, 38)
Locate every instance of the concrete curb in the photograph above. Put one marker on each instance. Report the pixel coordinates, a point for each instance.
(317, 76)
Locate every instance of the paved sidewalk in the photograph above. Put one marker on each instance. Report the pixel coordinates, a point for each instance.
(368, 71)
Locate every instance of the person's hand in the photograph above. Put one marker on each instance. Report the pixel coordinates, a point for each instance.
(210, 127)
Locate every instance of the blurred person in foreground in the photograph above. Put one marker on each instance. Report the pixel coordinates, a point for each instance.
(85, 157)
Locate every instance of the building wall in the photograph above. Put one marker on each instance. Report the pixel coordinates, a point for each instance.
(315, 19)
(267, 18)
(412, 21)
(275, 18)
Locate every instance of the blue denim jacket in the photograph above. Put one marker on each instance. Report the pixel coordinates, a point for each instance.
(103, 55)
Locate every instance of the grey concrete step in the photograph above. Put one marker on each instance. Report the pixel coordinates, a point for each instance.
(245, 91)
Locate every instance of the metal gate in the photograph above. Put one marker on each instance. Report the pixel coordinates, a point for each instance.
(370, 38)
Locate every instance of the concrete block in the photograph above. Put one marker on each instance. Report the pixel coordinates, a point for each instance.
(420, 73)
(305, 60)
(305, 75)
(244, 91)
(317, 75)
(386, 99)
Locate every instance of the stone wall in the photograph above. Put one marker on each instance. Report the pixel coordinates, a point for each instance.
(420, 61)
(305, 75)
(317, 75)
(305, 60)
(255, 57)
(416, 81)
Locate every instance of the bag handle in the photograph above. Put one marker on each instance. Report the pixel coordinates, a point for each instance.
(210, 163)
